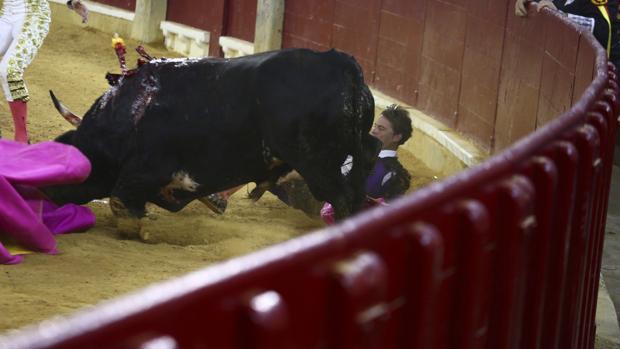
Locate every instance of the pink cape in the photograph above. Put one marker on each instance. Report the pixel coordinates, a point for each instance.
(26, 217)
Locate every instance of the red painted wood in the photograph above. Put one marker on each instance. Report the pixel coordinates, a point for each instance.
(565, 156)
(420, 318)
(308, 24)
(543, 173)
(358, 302)
(129, 5)
(355, 30)
(586, 140)
(608, 108)
(484, 41)
(240, 19)
(470, 323)
(597, 225)
(584, 71)
(265, 321)
(207, 15)
(520, 79)
(557, 77)
(513, 200)
(397, 34)
(442, 52)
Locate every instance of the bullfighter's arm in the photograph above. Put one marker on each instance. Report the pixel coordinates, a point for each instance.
(79, 8)
(397, 180)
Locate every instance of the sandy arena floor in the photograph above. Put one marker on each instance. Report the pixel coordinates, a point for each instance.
(98, 265)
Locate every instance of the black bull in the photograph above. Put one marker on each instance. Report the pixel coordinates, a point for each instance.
(198, 126)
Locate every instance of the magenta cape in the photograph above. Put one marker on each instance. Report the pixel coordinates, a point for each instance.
(26, 217)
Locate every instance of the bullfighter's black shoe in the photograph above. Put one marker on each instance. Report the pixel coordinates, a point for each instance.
(215, 202)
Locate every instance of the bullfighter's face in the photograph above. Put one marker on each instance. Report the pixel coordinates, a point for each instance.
(383, 131)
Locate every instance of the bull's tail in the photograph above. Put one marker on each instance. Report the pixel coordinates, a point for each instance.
(65, 112)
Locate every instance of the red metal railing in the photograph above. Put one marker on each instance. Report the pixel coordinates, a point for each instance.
(504, 255)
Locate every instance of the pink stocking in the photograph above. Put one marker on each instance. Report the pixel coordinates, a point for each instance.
(19, 110)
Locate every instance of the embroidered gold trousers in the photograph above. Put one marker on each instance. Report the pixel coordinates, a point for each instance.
(24, 24)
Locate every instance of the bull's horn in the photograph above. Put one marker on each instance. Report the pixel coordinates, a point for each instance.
(65, 112)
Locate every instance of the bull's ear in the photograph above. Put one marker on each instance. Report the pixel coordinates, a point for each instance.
(65, 112)
(66, 138)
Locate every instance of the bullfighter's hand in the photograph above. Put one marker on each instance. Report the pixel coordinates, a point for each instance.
(79, 8)
(546, 3)
(520, 8)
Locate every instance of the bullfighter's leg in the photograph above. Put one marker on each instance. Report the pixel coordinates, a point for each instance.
(216, 202)
(23, 34)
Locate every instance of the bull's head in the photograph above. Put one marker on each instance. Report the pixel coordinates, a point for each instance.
(96, 185)
(65, 112)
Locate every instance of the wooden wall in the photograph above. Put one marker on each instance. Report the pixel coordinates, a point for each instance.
(220, 17)
(452, 59)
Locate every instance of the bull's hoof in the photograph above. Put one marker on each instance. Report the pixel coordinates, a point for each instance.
(144, 235)
(258, 191)
(130, 228)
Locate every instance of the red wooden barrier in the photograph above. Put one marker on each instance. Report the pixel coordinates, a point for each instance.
(129, 5)
(504, 255)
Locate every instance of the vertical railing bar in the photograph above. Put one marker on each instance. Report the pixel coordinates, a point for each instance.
(514, 200)
(609, 108)
(585, 138)
(427, 250)
(544, 175)
(564, 155)
(590, 295)
(471, 316)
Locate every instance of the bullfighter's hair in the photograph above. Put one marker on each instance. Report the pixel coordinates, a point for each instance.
(400, 120)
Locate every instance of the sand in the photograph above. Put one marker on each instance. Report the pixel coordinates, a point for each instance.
(98, 264)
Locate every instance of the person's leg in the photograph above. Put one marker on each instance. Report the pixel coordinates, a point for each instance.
(6, 36)
(5, 41)
(9, 48)
(227, 193)
(9, 67)
(19, 111)
(217, 202)
(26, 40)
